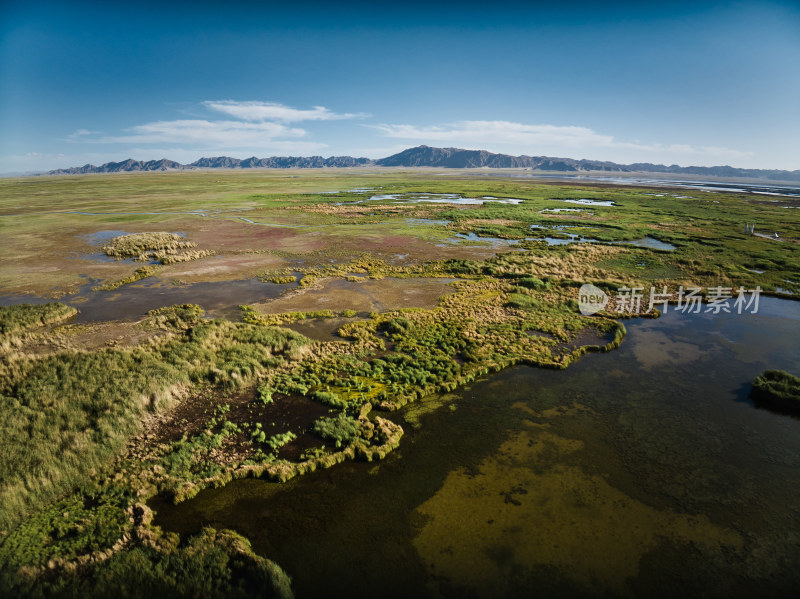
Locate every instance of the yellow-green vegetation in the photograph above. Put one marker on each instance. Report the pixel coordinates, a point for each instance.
(399, 356)
(91, 434)
(23, 317)
(250, 315)
(140, 273)
(282, 280)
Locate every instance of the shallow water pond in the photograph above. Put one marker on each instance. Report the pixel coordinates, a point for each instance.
(495, 242)
(641, 472)
(131, 302)
(587, 202)
(649, 242)
(570, 237)
(435, 198)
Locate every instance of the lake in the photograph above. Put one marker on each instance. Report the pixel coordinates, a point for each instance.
(645, 471)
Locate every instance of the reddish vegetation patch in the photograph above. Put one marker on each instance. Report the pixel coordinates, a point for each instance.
(224, 267)
(223, 235)
(416, 249)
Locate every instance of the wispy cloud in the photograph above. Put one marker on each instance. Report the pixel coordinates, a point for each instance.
(224, 134)
(534, 138)
(259, 126)
(494, 132)
(273, 111)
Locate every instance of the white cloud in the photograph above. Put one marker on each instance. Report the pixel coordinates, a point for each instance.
(198, 132)
(273, 111)
(259, 126)
(506, 136)
(82, 135)
(497, 132)
(683, 150)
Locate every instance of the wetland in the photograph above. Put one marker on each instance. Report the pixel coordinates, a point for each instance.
(390, 389)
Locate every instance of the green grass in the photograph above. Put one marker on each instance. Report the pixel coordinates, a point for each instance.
(211, 564)
(81, 524)
(73, 412)
(341, 429)
(179, 316)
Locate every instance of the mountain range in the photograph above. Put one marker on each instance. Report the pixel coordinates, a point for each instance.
(425, 156)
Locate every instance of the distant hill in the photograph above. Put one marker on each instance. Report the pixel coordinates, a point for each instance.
(131, 165)
(128, 165)
(425, 156)
(458, 158)
(282, 162)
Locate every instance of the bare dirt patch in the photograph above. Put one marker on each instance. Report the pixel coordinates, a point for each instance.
(222, 268)
(367, 296)
(191, 414)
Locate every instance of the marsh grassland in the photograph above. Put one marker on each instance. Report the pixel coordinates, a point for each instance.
(316, 311)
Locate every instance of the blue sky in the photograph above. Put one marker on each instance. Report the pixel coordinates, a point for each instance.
(674, 82)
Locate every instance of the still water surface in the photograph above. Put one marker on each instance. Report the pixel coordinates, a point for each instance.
(219, 299)
(642, 472)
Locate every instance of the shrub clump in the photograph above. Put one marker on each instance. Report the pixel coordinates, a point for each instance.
(140, 273)
(213, 564)
(21, 317)
(141, 245)
(341, 429)
(777, 389)
(179, 316)
(283, 280)
(160, 246)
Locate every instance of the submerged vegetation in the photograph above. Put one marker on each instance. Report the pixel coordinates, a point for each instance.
(90, 435)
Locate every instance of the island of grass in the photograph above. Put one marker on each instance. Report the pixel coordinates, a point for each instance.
(159, 246)
(778, 390)
(22, 317)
